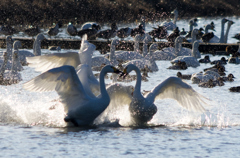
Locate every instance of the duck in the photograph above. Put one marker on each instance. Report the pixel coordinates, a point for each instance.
(138, 30)
(173, 35)
(211, 83)
(234, 89)
(97, 61)
(109, 33)
(207, 37)
(54, 30)
(142, 108)
(80, 107)
(229, 78)
(206, 59)
(222, 61)
(183, 76)
(234, 55)
(180, 65)
(171, 25)
(160, 33)
(191, 61)
(71, 29)
(32, 31)
(124, 32)
(91, 32)
(12, 76)
(7, 30)
(183, 32)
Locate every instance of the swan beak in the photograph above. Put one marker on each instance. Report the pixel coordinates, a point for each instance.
(115, 70)
(124, 73)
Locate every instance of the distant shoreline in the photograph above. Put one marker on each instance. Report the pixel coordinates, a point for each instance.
(46, 12)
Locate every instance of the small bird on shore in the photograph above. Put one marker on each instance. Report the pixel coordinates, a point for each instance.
(53, 31)
(33, 31)
(71, 29)
(109, 33)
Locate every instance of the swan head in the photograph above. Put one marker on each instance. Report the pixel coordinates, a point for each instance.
(110, 68)
(175, 12)
(230, 22)
(147, 38)
(40, 37)
(153, 47)
(209, 27)
(16, 45)
(9, 39)
(224, 20)
(128, 69)
(115, 42)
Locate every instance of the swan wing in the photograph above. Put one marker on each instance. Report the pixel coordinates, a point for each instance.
(49, 61)
(119, 95)
(183, 93)
(64, 81)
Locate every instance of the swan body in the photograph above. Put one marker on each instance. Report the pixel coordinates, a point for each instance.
(142, 108)
(89, 25)
(170, 25)
(81, 108)
(12, 76)
(191, 61)
(99, 60)
(204, 77)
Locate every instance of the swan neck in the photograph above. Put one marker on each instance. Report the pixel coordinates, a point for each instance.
(175, 18)
(37, 47)
(193, 37)
(3, 67)
(14, 63)
(137, 90)
(226, 34)
(102, 84)
(145, 49)
(136, 46)
(222, 33)
(190, 27)
(206, 30)
(112, 56)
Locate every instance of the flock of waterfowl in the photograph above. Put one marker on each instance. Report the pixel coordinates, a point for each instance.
(85, 96)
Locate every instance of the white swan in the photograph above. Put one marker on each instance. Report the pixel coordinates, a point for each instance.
(169, 53)
(12, 76)
(142, 108)
(171, 25)
(131, 55)
(204, 77)
(148, 62)
(229, 24)
(37, 44)
(81, 109)
(191, 61)
(49, 61)
(216, 39)
(9, 43)
(97, 61)
(88, 25)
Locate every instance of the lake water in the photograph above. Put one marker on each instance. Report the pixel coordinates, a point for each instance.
(29, 128)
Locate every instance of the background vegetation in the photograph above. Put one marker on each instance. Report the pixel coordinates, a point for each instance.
(42, 12)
